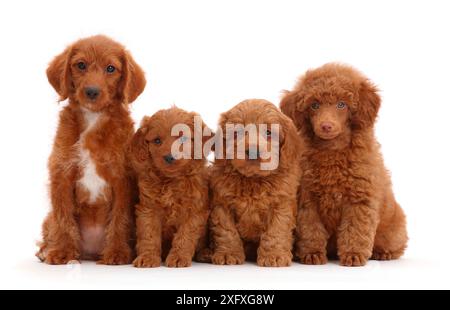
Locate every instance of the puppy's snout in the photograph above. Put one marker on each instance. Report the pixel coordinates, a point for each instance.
(169, 159)
(92, 92)
(252, 153)
(326, 127)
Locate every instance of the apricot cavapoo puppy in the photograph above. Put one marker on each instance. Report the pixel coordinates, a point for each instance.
(90, 184)
(173, 209)
(254, 193)
(347, 207)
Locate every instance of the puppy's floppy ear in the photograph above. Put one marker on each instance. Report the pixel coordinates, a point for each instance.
(292, 105)
(133, 79)
(139, 146)
(58, 74)
(292, 145)
(368, 106)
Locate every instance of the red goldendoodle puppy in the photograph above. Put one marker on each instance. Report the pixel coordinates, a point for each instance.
(254, 209)
(173, 210)
(90, 185)
(347, 206)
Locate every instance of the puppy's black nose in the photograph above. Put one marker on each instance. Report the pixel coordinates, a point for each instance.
(252, 154)
(169, 159)
(92, 92)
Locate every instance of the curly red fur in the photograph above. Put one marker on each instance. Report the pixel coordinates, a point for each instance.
(91, 187)
(347, 207)
(172, 214)
(253, 213)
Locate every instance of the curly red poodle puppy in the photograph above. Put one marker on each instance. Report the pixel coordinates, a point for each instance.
(347, 207)
(90, 182)
(254, 209)
(173, 210)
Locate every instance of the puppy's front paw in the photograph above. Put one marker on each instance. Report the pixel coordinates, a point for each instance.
(116, 257)
(147, 261)
(177, 260)
(274, 260)
(60, 256)
(313, 259)
(220, 258)
(353, 259)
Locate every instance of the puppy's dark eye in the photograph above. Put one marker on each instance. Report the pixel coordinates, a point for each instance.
(315, 105)
(341, 105)
(157, 141)
(110, 69)
(81, 65)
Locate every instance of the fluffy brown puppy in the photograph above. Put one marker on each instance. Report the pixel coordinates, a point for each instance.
(173, 209)
(254, 210)
(90, 184)
(347, 206)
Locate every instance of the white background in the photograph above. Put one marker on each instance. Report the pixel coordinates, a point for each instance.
(207, 56)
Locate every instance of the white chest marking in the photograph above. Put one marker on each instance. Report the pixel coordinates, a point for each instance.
(90, 180)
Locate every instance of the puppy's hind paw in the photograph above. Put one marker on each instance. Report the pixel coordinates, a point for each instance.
(381, 255)
(204, 256)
